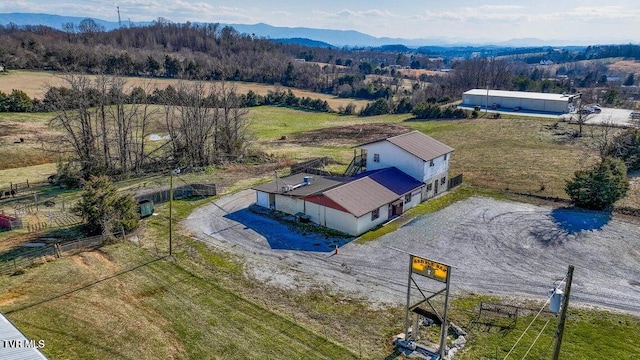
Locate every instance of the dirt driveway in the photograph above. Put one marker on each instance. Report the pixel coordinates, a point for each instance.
(496, 247)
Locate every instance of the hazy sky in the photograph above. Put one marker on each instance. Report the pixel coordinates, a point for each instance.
(589, 20)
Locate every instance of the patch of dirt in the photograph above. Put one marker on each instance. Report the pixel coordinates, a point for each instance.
(93, 259)
(16, 240)
(9, 298)
(31, 132)
(347, 135)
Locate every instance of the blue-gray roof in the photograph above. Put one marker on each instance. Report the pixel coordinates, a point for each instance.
(393, 179)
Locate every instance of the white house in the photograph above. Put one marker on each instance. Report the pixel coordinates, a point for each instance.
(416, 154)
(401, 172)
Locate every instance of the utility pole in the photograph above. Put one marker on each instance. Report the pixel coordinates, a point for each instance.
(170, 209)
(119, 21)
(563, 314)
(486, 108)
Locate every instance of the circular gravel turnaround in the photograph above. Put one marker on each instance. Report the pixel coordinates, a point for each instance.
(496, 247)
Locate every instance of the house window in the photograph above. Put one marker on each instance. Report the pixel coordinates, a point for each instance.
(429, 186)
(376, 157)
(407, 198)
(375, 214)
(443, 180)
(445, 156)
(431, 163)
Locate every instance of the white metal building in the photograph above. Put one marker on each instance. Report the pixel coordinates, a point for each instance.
(528, 101)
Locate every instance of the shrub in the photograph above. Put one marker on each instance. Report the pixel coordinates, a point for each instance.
(104, 210)
(626, 146)
(599, 188)
(379, 107)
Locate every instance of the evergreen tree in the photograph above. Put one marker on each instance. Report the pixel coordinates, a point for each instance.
(600, 187)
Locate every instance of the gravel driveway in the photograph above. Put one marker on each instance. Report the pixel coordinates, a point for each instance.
(496, 247)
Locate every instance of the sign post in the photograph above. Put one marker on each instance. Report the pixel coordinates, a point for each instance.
(435, 271)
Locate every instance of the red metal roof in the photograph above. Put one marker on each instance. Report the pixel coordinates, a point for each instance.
(361, 196)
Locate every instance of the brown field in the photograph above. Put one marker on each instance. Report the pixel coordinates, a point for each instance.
(417, 72)
(627, 66)
(35, 83)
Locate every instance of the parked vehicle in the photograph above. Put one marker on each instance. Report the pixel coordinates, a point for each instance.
(635, 115)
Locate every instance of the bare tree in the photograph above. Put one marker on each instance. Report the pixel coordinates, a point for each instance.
(105, 127)
(74, 107)
(583, 111)
(232, 135)
(206, 124)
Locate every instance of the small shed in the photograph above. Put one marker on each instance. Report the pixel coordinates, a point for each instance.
(10, 222)
(145, 208)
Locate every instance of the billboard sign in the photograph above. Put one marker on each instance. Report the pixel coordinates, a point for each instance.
(428, 268)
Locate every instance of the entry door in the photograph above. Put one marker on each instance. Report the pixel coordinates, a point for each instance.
(435, 187)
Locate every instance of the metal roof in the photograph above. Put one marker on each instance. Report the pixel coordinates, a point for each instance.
(284, 185)
(393, 179)
(361, 196)
(420, 145)
(521, 94)
(10, 336)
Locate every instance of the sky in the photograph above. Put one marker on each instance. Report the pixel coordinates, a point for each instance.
(611, 21)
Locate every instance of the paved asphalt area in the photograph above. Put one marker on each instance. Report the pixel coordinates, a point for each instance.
(496, 247)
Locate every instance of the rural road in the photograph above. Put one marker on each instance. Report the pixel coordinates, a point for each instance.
(496, 247)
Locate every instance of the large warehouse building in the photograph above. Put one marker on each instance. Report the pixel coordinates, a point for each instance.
(519, 100)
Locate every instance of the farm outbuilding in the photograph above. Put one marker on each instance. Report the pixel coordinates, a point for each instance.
(520, 100)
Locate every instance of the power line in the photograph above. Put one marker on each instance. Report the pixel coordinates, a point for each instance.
(525, 330)
(536, 339)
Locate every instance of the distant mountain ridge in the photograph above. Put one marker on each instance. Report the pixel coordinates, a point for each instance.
(337, 38)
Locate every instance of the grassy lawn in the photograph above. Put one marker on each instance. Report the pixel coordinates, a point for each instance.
(587, 335)
(122, 302)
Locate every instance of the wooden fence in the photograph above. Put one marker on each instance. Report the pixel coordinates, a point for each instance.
(162, 196)
(47, 253)
(311, 164)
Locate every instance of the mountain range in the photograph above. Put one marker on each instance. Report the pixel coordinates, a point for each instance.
(338, 38)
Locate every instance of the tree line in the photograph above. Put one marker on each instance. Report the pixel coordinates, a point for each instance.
(107, 126)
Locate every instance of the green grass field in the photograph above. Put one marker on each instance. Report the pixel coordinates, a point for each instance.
(121, 302)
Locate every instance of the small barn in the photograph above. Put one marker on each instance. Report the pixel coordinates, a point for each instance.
(520, 100)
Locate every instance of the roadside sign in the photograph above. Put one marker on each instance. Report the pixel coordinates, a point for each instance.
(428, 268)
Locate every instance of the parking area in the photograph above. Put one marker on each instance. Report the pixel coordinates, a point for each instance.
(617, 117)
(496, 247)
